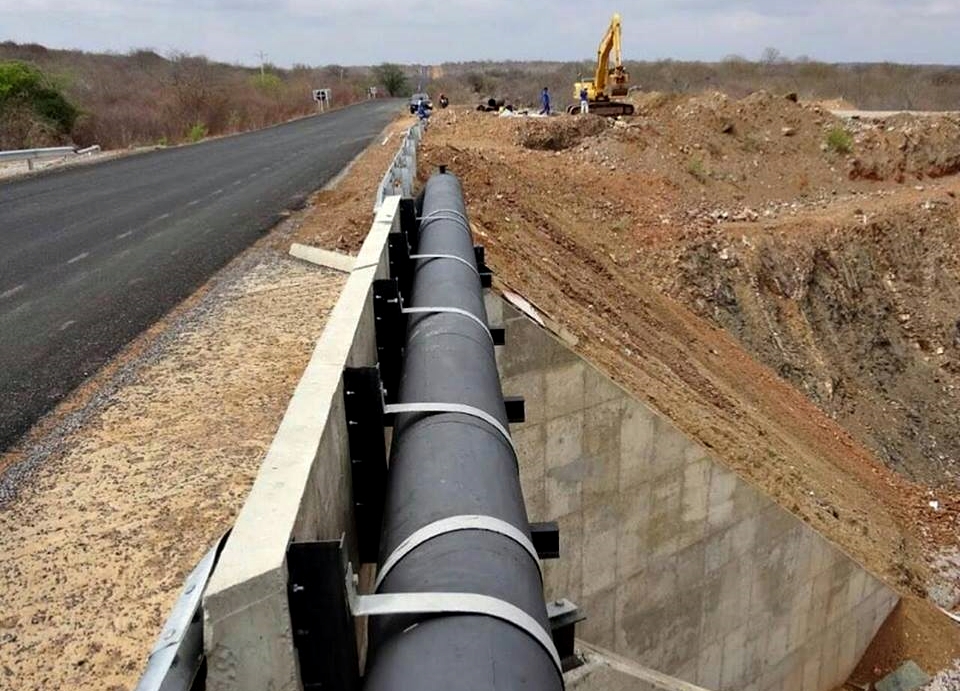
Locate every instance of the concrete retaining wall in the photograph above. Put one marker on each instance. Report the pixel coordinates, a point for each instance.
(302, 493)
(679, 564)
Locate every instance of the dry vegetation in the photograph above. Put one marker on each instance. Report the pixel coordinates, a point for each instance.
(144, 98)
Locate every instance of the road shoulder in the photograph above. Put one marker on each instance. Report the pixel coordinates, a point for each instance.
(113, 497)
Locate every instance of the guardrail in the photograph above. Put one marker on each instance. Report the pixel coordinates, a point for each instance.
(176, 660)
(400, 177)
(30, 155)
(25, 154)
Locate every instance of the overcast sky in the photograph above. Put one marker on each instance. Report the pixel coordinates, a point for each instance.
(354, 32)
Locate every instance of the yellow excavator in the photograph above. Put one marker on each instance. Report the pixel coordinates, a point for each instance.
(607, 83)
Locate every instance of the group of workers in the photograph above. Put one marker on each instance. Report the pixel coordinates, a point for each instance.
(423, 109)
(545, 101)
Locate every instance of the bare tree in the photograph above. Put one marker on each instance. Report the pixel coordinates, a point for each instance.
(771, 56)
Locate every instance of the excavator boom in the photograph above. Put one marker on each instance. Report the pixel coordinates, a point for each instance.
(610, 43)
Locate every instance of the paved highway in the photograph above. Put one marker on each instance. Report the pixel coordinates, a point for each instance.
(90, 257)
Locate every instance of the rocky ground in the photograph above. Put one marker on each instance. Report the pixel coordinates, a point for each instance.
(782, 283)
(947, 680)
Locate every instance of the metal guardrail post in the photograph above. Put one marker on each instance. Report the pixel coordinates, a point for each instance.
(177, 657)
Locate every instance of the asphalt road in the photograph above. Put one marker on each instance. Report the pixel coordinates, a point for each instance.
(91, 256)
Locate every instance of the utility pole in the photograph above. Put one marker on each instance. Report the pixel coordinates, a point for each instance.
(263, 56)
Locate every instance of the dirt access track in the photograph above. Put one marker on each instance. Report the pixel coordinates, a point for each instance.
(784, 285)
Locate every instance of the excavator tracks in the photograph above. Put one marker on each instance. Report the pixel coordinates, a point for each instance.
(608, 109)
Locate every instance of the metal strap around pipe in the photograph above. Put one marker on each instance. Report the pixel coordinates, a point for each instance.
(451, 525)
(460, 408)
(446, 215)
(453, 603)
(446, 256)
(449, 310)
(437, 213)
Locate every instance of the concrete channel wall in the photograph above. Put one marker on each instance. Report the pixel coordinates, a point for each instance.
(302, 493)
(678, 563)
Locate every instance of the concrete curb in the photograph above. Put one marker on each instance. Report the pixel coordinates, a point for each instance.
(301, 493)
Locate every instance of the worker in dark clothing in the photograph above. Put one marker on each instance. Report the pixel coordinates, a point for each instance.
(423, 112)
(545, 102)
(584, 102)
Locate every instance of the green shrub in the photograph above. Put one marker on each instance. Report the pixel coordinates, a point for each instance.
(268, 83)
(392, 78)
(839, 141)
(696, 168)
(197, 132)
(24, 88)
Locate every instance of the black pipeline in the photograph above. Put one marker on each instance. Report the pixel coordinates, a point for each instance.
(455, 521)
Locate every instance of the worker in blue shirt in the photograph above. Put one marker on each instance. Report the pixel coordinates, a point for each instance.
(584, 102)
(545, 102)
(422, 112)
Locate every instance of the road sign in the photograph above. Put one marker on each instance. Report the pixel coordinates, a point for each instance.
(322, 97)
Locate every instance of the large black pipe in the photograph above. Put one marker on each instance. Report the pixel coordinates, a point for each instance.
(451, 464)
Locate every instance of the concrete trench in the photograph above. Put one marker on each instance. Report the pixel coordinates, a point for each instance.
(680, 565)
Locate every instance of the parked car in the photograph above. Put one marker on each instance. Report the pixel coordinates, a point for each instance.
(415, 101)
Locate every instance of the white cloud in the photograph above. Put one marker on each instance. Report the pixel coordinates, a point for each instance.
(425, 31)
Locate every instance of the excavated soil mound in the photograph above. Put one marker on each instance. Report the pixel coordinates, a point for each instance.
(904, 148)
(557, 134)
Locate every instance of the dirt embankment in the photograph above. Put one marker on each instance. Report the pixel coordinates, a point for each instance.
(722, 260)
(859, 307)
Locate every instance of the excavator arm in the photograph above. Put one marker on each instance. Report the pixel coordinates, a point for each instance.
(609, 43)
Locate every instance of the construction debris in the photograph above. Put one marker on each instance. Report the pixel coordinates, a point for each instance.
(909, 677)
(325, 258)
